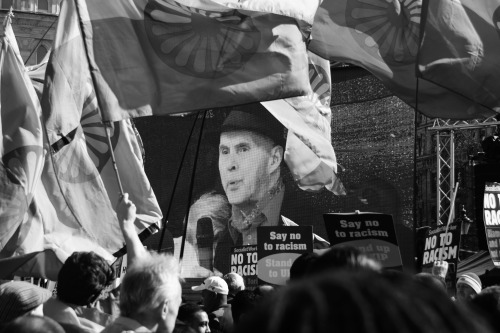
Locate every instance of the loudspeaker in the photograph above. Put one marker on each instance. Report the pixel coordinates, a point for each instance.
(489, 172)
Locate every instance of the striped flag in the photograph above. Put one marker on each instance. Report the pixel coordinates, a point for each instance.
(163, 56)
(74, 206)
(460, 49)
(309, 153)
(383, 37)
(21, 146)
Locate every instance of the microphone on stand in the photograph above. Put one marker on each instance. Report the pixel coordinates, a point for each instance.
(205, 239)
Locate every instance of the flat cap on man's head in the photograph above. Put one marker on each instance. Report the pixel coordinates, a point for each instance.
(255, 118)
(17, 298)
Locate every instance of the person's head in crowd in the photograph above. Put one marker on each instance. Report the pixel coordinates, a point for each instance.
(250, 155)
(82, 278)
(264, 290)
(194, 316)
(360, 301)
(431, 280)
(214, 291)
(32, 324)
(243, 302)
(343, 257)
(234, 282)
(19, 298)
(487, 304)
(301, 265)
(181, 327)
(151, 292)
(468, 285)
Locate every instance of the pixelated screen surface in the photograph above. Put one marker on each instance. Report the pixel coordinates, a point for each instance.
(373, 137)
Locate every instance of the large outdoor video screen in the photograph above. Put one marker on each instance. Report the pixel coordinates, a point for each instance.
(192, 176)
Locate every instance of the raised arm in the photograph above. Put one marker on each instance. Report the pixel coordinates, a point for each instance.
(126, 212)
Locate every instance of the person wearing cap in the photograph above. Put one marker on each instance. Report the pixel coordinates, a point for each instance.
(251, 149)
(468, 285)
(20, 298)
(214, 291)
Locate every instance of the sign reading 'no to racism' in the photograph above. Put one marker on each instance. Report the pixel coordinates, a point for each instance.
(491, 217)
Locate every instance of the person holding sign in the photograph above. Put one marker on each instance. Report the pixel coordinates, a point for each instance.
(250, 155)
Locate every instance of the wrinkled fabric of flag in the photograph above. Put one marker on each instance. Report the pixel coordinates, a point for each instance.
(21, 149)
(75, 200)
(383, 37)
(460, 49)
(163, 56)
(309, 153)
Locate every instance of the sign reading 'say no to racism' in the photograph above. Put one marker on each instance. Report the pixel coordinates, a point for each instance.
(277, 249)
(372, 233)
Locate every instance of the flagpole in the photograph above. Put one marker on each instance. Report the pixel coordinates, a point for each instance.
(165, 219)
(113, 160)
(415, 174)
(34, 49)
(190, 195)
(7, 21)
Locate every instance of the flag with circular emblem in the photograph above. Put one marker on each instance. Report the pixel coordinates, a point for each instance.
(164, 56)
(21, 141)
(383, 36)
(460, 49)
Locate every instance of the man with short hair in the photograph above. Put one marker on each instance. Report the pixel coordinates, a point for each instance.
(150, 293)
(195, 317)
(251, 149)
(250, 156)
(214, 291)
(81, 280)
(235, 283)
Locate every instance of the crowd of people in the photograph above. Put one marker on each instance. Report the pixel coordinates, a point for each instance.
(334, 290)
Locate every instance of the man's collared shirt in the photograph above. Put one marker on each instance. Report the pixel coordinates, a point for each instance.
(270, 216)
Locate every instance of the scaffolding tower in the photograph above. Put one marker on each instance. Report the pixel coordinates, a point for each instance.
(445, 154)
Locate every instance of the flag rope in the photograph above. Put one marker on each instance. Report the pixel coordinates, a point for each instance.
(165, 218)
(191, 186)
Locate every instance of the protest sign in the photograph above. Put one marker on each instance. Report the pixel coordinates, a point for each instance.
(491, 214)
(244, 263)
(277, 249)
(372, 233)
(442, 243)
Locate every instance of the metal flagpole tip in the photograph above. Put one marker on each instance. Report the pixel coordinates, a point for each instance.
(7, 20)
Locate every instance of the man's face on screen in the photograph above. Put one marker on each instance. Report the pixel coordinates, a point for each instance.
(245, 163)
